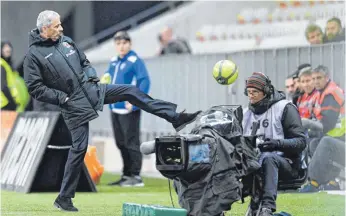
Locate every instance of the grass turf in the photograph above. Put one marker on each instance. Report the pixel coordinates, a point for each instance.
(108, 201)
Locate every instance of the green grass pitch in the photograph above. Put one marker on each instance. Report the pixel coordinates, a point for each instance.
(108, 201)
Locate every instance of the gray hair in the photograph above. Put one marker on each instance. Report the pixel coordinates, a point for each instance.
(45, 18)
(305, 71)
(321, 69)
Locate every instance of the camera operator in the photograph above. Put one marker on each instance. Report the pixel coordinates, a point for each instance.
(284, 140)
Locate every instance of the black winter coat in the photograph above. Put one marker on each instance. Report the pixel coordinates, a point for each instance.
(294, 141)
(55, 70)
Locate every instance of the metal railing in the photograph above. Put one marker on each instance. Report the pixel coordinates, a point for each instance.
(187, 80)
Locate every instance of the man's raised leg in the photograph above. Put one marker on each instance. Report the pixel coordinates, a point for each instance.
(160, 108)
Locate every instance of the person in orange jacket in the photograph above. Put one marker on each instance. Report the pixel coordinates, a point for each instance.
(307, 103)
(331, 110)
(330, 148)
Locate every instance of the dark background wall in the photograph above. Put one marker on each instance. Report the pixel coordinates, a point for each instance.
(80, 19)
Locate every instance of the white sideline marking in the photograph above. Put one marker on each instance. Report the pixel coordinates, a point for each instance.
(337, 192)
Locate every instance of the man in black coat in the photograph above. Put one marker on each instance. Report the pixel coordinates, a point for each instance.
(57, 72)
(277, 123)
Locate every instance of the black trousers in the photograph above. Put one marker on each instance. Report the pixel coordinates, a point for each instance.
(80, 135)
(313, 143)
(274, 167)
(126, 129)
(321, 168)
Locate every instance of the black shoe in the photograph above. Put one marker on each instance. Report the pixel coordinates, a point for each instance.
(266, 212)
(252, 209)
(184, 119)
(65, 204)
(120, 181)
(135, 181)
(251, 212)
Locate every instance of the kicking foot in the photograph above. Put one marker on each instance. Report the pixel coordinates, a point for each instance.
(184, 119)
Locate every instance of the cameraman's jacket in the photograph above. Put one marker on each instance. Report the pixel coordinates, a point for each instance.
(278, 119)
(55, 70)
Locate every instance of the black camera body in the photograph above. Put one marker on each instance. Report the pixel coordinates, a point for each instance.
(172, 154)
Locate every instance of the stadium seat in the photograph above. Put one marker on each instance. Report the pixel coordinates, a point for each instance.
(222, 46)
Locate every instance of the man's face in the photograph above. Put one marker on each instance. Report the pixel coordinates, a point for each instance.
(254, 95)
(6, 51)
(55, 30)
(315, 37)
(332, 29)
(296, 82)
(290, 88)
(166, 35)
(306, 83)
(320, 80)
(122, 47)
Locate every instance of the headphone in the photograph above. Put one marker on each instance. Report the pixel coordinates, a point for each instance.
(267, 89)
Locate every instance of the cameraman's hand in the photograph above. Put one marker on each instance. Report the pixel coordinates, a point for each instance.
(94, 79)
(269, 145)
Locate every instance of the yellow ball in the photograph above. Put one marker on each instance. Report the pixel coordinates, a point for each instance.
(225, 72)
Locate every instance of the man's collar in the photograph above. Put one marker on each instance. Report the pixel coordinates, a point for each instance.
(327, 84)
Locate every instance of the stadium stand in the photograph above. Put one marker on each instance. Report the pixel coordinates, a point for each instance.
(260, 26)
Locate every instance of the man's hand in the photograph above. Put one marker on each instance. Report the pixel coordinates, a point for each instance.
(128, 106)
(269, 145)
(94, 79)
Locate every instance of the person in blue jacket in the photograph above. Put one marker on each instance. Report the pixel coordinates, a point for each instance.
(127, 68)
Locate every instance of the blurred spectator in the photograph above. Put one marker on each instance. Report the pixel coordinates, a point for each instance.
(331, 111)
(290, 87)
(124, 69)
(159, 38)
(334, 31)
(325, 165)
(331, 121)
(308, 102)
(172, 44)
(331, 102)
(314, 34)
(14, 94)
(298, 92)
(6, 52)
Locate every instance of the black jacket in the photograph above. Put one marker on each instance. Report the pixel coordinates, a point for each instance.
(338, 38)
(177, 46)
(55, 70)
(294, 141)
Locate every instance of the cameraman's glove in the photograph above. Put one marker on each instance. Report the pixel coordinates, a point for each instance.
(94, 79)
(269, 145)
